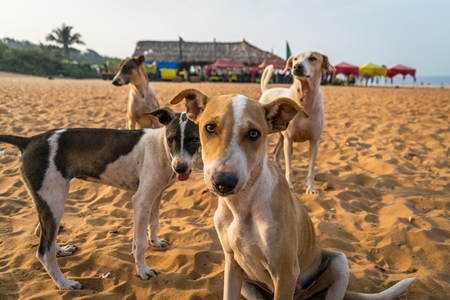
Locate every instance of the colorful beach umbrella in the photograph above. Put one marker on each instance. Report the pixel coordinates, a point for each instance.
(227, 63)
(277, 63)
(346, 69)
(402, 70)
(372, 70)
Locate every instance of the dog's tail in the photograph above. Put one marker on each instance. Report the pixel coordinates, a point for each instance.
(390, 293)
(265, 78)
(18, 141)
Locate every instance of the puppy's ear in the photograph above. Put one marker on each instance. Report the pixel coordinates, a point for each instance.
(195, 102)
(288, 64)
(326, 64)
(165, 115)
(141, 59)
(280, 112)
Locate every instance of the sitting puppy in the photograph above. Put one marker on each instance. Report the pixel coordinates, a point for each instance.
(146, 161)
(267, 236)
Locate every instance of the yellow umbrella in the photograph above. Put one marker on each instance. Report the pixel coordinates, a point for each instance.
(372, 70)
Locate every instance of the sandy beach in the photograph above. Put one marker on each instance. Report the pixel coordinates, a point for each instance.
(385, 152)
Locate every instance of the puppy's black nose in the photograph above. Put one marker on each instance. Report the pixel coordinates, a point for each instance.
(298, 67)
(115, 82)
(181, 168)
(299, 70)
(224, 182)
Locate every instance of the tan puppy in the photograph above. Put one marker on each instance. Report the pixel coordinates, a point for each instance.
(307, 70)
(142, 96)
(267, 236)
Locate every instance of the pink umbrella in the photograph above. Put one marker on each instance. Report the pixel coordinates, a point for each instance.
(346, 69)
(402, 70)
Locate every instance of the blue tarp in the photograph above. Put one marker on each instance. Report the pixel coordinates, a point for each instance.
(163, 65)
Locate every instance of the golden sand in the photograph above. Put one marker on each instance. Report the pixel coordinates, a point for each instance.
(385, 152)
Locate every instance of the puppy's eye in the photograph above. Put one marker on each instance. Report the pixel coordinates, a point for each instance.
(195, 140)
(211, 128)
(254, 134)
(170, 140)
(312, 58)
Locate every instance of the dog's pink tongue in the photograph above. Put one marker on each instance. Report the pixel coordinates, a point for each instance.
(183, 177)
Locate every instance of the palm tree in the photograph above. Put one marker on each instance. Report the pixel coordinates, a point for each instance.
(50, 50)
(64, 37)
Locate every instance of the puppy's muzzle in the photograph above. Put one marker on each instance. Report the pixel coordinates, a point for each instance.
(118, 82)
(224, 182)
(299, 70)
(183, 171)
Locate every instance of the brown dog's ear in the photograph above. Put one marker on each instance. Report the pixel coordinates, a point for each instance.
(280, 112)
(141, 59)
(165, 115)
(195, 102)
(288, 64)
(326, 64)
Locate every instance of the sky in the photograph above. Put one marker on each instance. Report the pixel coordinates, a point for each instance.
(385, 32)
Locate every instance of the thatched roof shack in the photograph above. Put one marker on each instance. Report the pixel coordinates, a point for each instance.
(202, 53)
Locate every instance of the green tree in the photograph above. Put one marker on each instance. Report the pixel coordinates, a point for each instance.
(51, 51)
(64, 37)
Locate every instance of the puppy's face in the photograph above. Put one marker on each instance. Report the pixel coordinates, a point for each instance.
(233, 131)
(128, 70)
(308, 64)
(182, 141)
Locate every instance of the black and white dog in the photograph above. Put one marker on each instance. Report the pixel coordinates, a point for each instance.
(146, 161)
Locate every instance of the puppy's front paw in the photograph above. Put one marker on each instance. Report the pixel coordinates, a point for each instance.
(311, 190)
(147, 273)
(159, 243)
(66, 250)
(69, 285)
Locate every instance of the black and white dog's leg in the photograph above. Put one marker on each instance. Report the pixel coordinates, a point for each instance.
(142, 202)
(153, 225)
(60, 251)
(50, 201)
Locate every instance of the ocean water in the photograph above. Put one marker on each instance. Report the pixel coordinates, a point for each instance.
(422, 80)
(398, 80)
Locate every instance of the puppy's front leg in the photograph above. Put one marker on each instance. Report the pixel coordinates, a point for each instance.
(313, 149)
(234, 276)
(154, 222)
(284, 287)
(131, 124)
(288, 149)
(141, 202)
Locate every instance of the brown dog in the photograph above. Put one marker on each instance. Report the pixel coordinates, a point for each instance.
(142, 96)
(267, 236)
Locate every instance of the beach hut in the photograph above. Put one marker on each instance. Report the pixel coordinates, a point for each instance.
(402, 70)
(202, 53)
(346, 69)
(371, 69)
